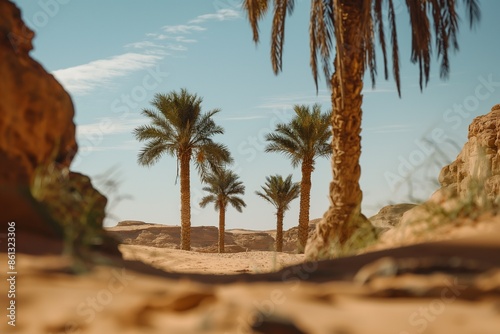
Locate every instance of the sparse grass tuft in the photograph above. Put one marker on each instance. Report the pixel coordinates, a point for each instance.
(76, 207)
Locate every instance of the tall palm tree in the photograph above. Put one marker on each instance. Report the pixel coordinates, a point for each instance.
(279, 193)
(223, 187)
(302, 140)
(347, 29)
(179, 128)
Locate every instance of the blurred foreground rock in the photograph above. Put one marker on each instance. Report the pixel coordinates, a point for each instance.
(479, 160)
(470, 186)
(36, 132)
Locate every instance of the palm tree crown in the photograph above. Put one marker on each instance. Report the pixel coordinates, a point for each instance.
(305, 138)
(223, 187)
(279, 192)
(179, 128)
(428, 19)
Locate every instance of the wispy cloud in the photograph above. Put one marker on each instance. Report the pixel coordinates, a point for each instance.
(182, 29)
(176, 47)
(144, 45)
(120, 147)
(84, 78)
(179, 39)
(108, 126)
(390, 128)
(220, 15)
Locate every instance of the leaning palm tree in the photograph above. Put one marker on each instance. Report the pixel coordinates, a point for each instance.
(302, 140)
(347, 29)
(223, 187)
(179, 128)
(279, 193)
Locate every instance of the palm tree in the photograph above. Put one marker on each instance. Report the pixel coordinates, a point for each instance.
(223, 186)
(347, 29)
(302, 140)
(179, 128)
(279, 193)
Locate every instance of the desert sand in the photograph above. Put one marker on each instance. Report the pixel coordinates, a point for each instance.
(210, 263)
(449, 286)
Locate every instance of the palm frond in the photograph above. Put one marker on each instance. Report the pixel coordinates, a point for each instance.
(152, 152)
(255, 9)
(320, 32)
(237, 203)
(395, 46)
(278, 33)
(207, 200)
(379, 23)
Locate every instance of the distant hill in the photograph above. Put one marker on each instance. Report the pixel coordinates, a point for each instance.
(203, 238)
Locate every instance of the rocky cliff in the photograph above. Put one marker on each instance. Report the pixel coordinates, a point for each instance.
(37, 141)
(478, 164)
(470, 187)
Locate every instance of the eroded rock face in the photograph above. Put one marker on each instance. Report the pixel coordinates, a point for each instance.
(37, 132)
(479, 158)
(36, 113)
(390, 216)
(471, 183)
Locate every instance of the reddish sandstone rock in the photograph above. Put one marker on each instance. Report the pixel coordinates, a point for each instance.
(36, 113)
(37, 133)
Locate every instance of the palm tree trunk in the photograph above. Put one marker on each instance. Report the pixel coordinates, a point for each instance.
(305, 195)
(185, 202)
(344, 214)
(279, 230)
(222, 227)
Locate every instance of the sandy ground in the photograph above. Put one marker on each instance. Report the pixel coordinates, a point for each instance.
(210, 263)
(450, 286)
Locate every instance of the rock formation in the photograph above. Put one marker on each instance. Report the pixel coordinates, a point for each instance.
(389, 216)
(36, 133)
(470, 185)
(479, 160)
(203, 238)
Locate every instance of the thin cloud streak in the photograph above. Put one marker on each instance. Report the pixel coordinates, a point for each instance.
(220, 15)
(82, 79)
(108, 126)
(182, 29)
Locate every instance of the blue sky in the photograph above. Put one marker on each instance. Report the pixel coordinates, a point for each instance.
(113, 56)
